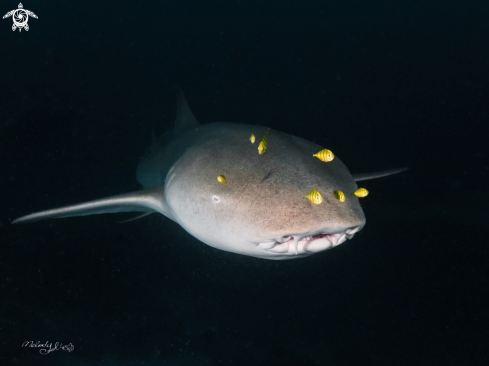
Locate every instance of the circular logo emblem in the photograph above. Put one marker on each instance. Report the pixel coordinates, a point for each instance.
(20, 18)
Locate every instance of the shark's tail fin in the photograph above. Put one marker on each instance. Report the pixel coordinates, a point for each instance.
(148, 201)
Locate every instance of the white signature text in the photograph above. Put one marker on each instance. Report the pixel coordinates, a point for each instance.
(48, 347)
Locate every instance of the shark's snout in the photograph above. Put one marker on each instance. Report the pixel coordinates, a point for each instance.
(307, 243)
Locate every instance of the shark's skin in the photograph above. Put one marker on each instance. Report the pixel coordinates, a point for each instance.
(261, 211)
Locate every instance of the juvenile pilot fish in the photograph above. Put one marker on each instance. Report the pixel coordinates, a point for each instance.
(221, 179)
(262, 147)
(315, 197)
(361, 192)
(340, 196)
(324, 155)
(261, 211)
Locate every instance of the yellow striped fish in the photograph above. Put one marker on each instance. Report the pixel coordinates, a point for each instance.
(262, 147)
(252, 138)
(221, 179)
(361, 192)
(324, 155)
(315, 197)
(340, 196)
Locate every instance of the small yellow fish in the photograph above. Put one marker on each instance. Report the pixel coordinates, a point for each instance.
(340, 196)
(324, 155)
(361, 192)
(221, 179)
(315, 197)
(252, 138)
(262, 147)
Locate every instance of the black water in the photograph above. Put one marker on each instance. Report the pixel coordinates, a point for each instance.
(383, 84)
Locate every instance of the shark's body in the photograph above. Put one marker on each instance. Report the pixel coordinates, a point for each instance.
(260, 211)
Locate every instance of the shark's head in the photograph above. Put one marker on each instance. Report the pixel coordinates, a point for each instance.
(261, 210)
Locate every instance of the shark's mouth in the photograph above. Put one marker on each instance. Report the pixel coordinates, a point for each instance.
(297, 244)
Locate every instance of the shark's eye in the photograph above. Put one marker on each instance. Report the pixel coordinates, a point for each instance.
(216, 199)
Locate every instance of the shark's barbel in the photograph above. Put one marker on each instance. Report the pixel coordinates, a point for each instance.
(262, 210)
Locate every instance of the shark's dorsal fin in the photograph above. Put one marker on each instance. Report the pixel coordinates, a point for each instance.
(384, 173)
(185, 118)
(150, 200)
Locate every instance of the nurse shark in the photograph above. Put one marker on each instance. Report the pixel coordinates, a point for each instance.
(212, 180)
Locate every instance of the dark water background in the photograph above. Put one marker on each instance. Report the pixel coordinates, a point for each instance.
(381, 83)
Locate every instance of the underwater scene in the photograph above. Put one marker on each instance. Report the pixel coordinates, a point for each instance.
(234, 182)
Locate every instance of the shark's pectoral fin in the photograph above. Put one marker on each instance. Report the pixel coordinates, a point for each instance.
(384, 173)
(137, 217)
(148, 201)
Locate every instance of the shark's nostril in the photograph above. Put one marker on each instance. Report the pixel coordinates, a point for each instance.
(352, 230)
